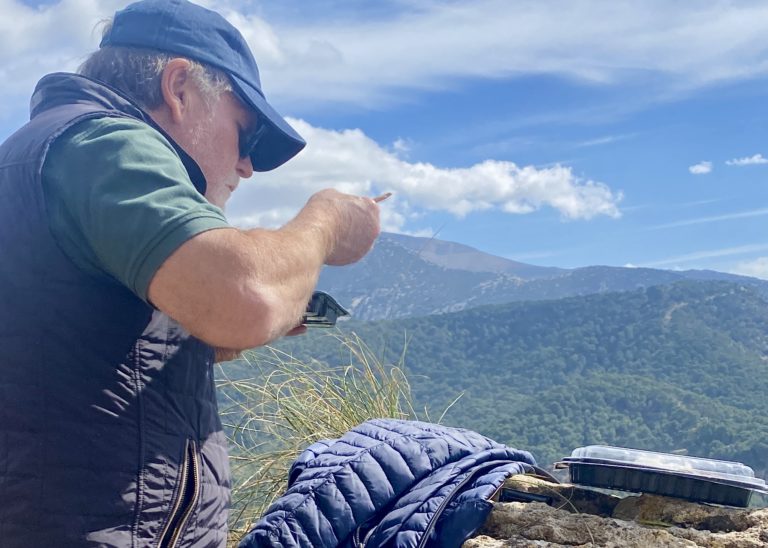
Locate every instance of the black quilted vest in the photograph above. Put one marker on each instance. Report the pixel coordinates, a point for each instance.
(109, 430)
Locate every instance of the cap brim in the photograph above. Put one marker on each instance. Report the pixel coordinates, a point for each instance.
(278, 141)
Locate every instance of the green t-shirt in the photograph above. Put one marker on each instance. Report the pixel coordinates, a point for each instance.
(120, 201)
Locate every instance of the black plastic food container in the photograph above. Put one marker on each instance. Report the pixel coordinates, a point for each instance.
(690, 478)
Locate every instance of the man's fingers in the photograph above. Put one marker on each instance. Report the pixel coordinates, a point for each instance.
(383, 197)
(298, 330)
(226, 354)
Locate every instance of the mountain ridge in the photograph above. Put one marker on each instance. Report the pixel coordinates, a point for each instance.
(405, 276)
(456, 256)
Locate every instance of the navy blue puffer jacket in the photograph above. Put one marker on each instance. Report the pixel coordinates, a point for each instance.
(389, 483)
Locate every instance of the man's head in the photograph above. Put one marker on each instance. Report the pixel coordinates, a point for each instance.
(194, 73)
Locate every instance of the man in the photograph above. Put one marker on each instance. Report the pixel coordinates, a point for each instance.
(120, 275)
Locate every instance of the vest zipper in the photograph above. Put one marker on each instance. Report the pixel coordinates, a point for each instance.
(189, 491)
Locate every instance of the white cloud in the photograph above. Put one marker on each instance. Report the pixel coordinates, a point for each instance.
(702, 168)
(713, 219)
(757, 268)
(421, 233)
(366, 60)
(401, 146)
(748, 161)
(34, 41)
(606, 140)
(341, 58)
(352, 162)
(709, 254)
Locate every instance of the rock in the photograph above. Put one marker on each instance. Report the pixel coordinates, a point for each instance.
(662, 511)
(587, 518)
(564, 495)
(537, 522)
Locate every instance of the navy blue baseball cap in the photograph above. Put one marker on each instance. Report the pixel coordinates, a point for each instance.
(182, 28)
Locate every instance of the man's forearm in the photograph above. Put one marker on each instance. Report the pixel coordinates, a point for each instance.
(241, 289)
(286, 264)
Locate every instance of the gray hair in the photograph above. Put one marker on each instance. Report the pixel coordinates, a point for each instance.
(138, 72)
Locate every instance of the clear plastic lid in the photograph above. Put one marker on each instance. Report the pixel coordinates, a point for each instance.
(732, 471)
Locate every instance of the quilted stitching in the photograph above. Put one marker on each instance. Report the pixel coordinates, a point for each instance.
(337, 485)
(414, 510)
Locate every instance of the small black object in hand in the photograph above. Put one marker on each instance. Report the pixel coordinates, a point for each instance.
(323, 310)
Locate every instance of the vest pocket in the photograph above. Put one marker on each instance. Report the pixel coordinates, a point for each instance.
(186, 500)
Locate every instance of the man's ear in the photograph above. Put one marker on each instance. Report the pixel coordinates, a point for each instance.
(175, 86)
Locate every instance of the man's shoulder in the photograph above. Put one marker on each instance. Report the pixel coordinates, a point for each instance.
(120, 200)
(113, 130)
(108, 144)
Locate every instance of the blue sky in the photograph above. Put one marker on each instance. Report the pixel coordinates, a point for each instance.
(552, 132)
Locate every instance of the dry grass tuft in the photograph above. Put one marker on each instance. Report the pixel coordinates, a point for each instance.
(287, 404)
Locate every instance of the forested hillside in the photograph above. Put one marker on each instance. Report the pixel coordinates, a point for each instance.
(682, 367)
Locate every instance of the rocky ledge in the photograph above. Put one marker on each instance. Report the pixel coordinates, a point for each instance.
(570, 516)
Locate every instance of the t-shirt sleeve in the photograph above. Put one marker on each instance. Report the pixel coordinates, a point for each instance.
(120, 201)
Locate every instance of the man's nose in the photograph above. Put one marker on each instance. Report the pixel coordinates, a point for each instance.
(244, 167)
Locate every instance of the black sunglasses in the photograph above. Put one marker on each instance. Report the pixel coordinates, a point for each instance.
(247, 141)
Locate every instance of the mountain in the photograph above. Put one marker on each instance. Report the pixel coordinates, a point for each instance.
(678, 367)
(405, 276)
(457, 256)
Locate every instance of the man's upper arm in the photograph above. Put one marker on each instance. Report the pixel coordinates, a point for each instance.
(120, 201)
(121, 204)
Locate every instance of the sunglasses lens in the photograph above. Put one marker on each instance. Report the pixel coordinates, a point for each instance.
(248, 141)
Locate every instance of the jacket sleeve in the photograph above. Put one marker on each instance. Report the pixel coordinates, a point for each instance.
(353, 482)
